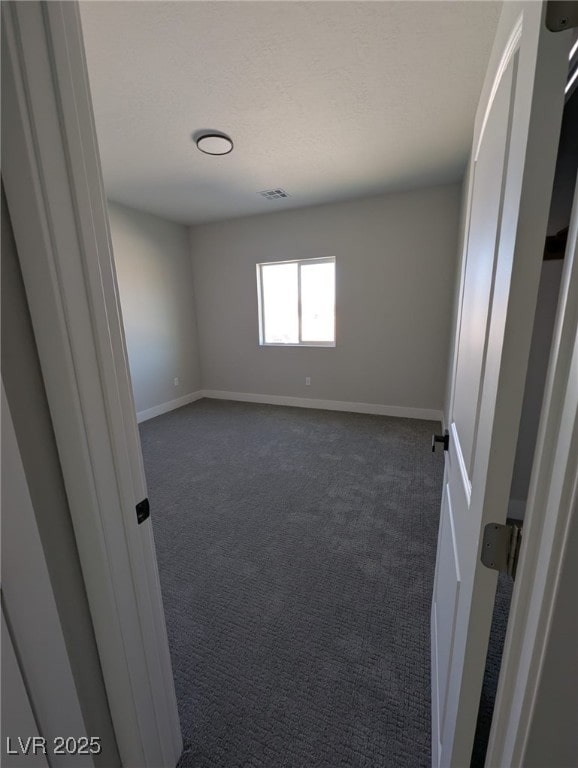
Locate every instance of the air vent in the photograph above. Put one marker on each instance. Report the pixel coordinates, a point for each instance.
(273, 194)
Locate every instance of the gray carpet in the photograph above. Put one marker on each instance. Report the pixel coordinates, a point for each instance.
(296, 552)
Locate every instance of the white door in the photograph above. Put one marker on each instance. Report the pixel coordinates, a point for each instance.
(510, 181)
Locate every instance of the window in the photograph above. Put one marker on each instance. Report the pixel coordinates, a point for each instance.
(297, 302)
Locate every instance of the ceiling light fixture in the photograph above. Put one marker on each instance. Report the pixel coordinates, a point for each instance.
(214, 143)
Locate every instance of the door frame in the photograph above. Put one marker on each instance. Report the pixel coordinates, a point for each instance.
(57, 203)
(552, 497)
(54, 191)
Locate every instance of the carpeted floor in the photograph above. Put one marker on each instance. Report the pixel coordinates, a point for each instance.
(296, 552)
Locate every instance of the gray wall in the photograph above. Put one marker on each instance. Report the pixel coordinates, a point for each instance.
(395, 275)
(26, 397)
(155, 281)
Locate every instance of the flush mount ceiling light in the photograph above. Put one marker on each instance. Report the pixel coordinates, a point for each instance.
(214, 143)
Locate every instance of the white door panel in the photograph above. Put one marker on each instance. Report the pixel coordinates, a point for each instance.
(17, 718)
(488, 178)
(446, 601)
(29, 607)
(508, 207)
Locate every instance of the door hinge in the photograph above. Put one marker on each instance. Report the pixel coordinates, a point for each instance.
(561, 15)
(501, 547)
(143, 511)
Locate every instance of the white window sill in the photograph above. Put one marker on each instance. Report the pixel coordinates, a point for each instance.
(320, 344)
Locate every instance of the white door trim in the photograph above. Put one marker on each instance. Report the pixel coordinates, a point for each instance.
(551, 499)
(54, 191)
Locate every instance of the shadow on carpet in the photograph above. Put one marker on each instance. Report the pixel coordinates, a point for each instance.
(492, 671)
(296, 551)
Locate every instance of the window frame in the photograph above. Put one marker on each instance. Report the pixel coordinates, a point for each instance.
(261, 303)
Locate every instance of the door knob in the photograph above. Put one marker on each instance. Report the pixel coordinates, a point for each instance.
(445, 439)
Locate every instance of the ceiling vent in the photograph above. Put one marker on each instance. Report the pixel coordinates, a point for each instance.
(273, 194)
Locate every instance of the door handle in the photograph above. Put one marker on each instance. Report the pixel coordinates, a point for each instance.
(445, 439)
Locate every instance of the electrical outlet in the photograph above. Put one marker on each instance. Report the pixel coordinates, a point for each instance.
(176, 381)
(308, 381)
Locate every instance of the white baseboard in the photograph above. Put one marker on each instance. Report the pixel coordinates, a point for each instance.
(517, 508)
(327, 405)
(156, 410)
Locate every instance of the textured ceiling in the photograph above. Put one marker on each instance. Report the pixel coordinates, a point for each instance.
(328, 100)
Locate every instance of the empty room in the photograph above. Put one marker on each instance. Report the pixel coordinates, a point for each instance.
(277, 297)
(313, 264)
